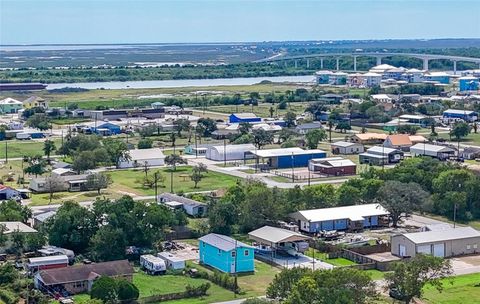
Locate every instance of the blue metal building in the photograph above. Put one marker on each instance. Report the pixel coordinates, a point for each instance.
(287, 157)
(226, 254)
(106, 128)
(465, 115)
(243, 117)
(468, 83)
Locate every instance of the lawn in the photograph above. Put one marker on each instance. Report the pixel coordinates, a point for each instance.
(324, 257)
(20, 148)
(42, 199)
(465, 289)
(263, 109)
(163, 284)
(128, 181)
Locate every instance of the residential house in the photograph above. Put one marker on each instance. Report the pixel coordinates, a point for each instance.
(190, 206)
(35, 102)
(7, 193)
(226, 254)
(332, 166)
(143, 157)
(368, 138)
(379, 155)
(72, 183)
(471, 153)
(345, 147)
(398, 141)
(341, 218)
(304, 128)
(62, 172)
(11, 227)
(80, 278)
(10, 105)
(41, 218)
(440, 243)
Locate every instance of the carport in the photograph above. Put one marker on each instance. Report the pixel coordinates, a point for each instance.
(279, 239)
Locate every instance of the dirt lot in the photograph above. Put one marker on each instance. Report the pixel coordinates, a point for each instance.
(466, 264)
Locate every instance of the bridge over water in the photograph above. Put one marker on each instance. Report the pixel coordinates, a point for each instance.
(378, 55)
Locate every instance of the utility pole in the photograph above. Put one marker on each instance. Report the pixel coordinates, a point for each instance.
(171, 180)
(454, 214)
(6, 151)
(196, 146)
(156, 186)
(235, 267)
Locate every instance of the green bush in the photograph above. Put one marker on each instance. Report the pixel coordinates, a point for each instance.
(8, 297)
(127, 292)
(105, 289)
(201, 290)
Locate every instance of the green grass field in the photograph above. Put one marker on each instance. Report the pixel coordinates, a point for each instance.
(465, 289)
(324, 257)
(263, 109)
(20, 148)
(127, 180)
(163, 284)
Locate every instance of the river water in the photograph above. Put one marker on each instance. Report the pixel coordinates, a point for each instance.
(180, 83)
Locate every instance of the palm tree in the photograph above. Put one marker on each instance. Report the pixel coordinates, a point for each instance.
(48, 148)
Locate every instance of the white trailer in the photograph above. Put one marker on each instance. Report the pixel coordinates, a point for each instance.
(173, 262)
(23, 136)
(152, 264)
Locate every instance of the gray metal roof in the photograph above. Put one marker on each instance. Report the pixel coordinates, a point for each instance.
(344, 144)
(276, 235)
(169, 197)
(442, 235)
(222, 242)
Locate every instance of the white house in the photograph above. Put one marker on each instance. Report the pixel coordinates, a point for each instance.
(345, 147)
(140, 157)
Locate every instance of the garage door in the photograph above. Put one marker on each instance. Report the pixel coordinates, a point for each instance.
(425, 249)
(439, 250)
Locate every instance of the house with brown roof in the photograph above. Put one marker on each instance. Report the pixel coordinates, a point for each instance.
(398, 141)
(78, 279)
(368, 138)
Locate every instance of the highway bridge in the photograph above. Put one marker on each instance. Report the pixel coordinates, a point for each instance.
(378, 55)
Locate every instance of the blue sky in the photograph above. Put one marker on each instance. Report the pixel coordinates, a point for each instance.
(147, 21)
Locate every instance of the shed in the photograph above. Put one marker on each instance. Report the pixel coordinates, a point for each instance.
(440, 243)
(226, 254)
(345, 147)
(286, 157)
(340, 218)
(471, 153)
(39, 219)
(172, 261)
(228, 152)
(436, 151)
(304, 128)
(140, 157)
(335, 166)
(243, 117)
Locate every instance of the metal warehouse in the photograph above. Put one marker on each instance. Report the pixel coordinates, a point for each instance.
(286, 158)
(228, 152)
(341, 218)
(440, 243)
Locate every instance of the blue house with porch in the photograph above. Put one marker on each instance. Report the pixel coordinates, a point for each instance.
(226, 254)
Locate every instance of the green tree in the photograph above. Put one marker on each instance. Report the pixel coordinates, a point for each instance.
(313, 137)
(36, 166)
(127, 292)
(410, 277)
(222, 216)
(11, 211)
(181, 125)
(35, 241)
(145, 143)
(244, 128)
(196, 177)
(108, 244)
(38, 121)
(173, 160)
(262, 138)
(71, 227)
(8, 273)
(18, 241)
(117, 150)
(207, 126)
(84, 161)
(290, 119)
(48, 148)
(343, 126)
(105, 289)
(98, 181)
(401, 199)
(407, 129)
(459, 130)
